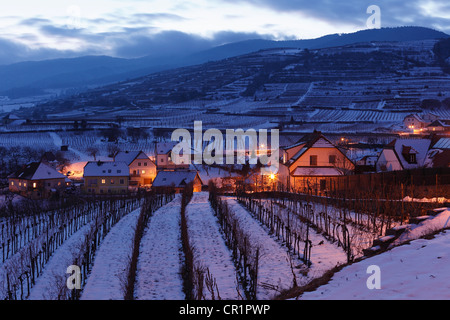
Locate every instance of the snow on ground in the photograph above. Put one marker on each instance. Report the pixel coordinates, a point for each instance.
(274, 267)
(415, 269)
(111, 261)
(324, 254)
(159, 265)
(420, 270)
(54, 273)
(210, 250)
(439, 222)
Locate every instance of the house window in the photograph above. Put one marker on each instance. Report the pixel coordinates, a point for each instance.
(34, 185)
(122, 181)
(24, 184)
(313, 160)
(20, 184)
(12, 183)
(143, 171)
(112, 181)
(412, 158)
(103, 181)
(332, 159)
(119, 171)
(145, 164)
(139, 164)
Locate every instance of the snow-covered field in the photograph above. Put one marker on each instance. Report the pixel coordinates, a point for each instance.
(413, 267)
(417, 270)
(210, 250)
(420, 270)
(109, 272)
(159, 265)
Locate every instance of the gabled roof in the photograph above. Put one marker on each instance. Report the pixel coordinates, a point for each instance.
(443, 143)
(165, 147)
(418, 118)
(37, 171)
(129, 156)
(420, 147)
(175, 178)
(316, 140)
(106, 169)
(440, 123)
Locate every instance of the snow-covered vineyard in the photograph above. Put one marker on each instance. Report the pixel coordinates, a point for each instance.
(239, 249)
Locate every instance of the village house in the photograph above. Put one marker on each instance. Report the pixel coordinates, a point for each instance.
(439, 154)
(163, 157)
(176, 181)
(403, 154)
(141, 168)
(441, 126)
(111, 177)
(310, 164)
(418, 123)
(37, 180)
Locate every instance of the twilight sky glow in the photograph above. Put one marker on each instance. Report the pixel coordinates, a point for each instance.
(46, 29)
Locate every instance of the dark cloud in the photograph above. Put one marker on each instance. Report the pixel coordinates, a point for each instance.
(13, 52)
(173, 43)
(393, 12)
(34, 21)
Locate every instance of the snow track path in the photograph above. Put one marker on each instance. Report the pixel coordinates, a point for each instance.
(111, 261)
(210, 250)
(159, 265)
(274, 266)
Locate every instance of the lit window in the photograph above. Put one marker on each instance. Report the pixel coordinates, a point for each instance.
(34, 185)
(103, 181)
(143, 171)
(12, 183)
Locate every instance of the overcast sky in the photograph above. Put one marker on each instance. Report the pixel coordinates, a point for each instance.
(46, 29)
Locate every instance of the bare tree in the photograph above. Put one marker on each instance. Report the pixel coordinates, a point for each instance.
(93, 151)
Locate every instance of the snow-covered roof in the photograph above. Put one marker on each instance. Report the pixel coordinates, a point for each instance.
(443, 143)
(174, 178)
(165, 147)
(316, 171)
(420, 146)
(315, 140)
(106, 169)
(129, 156)
(37, 171)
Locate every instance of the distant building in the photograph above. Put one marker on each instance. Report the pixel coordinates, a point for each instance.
(177, 181)
(163, 156)
(11, 119)
(37, 180)
(366, 164)
(141, 168)
(106, 177)
(402, 154)
(418, 123)
(440, 126)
